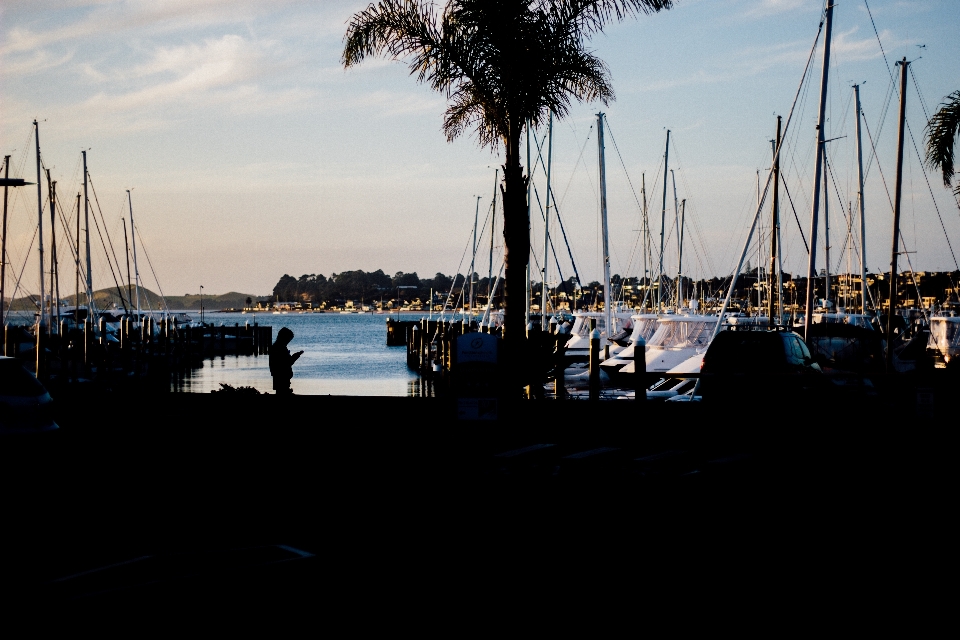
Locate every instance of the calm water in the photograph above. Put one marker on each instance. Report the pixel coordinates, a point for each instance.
(343, 355)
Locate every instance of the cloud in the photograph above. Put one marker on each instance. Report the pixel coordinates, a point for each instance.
(113, 17)
(866, 49)
(776, 7)
(197, 69)
(749, 62)
(36, 62)
(232, 74)
(391, 103)
(228, 54)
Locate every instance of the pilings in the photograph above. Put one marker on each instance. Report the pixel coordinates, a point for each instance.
(429, 343)
(129, 351)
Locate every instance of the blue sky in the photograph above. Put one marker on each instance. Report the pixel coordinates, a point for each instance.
(251, 153)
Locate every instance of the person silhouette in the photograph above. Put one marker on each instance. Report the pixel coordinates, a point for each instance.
(281, 362)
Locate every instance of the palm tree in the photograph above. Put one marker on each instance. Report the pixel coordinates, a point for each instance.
(942, 132)
(501, 64)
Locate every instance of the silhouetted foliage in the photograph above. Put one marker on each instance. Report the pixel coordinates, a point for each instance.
(501, 64)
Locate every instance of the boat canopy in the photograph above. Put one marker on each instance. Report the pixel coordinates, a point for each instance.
(855, 319)
(945, 335)
(581, 324)
(644, 326)
(682, 332)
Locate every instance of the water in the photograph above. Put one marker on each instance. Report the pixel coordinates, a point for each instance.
(343, 354)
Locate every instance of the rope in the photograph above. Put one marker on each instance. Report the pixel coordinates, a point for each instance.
(100, 233)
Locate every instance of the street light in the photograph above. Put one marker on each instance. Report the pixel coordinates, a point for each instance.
(5, 182)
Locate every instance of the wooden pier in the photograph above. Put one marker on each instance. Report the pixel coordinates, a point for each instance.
(429, 343)
(153, 349)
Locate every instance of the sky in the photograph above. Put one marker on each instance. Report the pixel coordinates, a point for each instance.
(251, 153)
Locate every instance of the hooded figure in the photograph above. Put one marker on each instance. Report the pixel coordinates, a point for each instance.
(281, 362)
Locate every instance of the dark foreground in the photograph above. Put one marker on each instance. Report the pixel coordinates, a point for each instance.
(327, 504)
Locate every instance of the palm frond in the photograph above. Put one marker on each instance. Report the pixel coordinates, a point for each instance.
(395, 28)
(499, 62)
(942, 132)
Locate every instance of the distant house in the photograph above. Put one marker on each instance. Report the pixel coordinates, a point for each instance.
(292, 306)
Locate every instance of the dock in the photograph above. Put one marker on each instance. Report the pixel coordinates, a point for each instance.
(152, 351)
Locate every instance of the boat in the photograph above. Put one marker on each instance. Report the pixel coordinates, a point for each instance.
(678, 339)
(644, 326)
(578, 347)
(944, 342)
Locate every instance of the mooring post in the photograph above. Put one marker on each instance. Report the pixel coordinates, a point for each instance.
(594, 360)
(640, 371)
(87, 339)
(64, 340)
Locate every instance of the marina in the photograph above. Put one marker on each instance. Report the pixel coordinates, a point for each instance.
(715, 324)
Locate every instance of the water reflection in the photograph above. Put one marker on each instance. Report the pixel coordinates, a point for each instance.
(343, 355)
(420, 388)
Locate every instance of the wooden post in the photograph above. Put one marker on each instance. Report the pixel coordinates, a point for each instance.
(640, 369)
(87, 338)
(64, 341)
(594, 360)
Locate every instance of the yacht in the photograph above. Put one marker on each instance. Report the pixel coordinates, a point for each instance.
(944, 341)
(644, 326)
(678, 340)
(578, 347)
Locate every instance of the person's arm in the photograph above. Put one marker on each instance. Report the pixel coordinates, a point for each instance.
(294, 357)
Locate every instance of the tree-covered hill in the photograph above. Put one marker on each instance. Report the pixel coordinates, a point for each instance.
(108, 298)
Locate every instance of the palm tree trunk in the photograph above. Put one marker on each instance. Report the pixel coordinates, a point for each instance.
(516, 239)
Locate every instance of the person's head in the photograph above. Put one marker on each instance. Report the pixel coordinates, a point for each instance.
(284, 336)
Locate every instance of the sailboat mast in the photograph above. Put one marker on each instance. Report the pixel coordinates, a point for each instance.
(815, 206)
(663, 219)
(529, 194)
(86, 223)
(759, 247)
(473, 262)
(544, 295)
(683, 214)
(608, 313)
(3, 241)
(126, 246)
(676, 221)
(52, 186)
(76, 302)
(863, 227)
(898, 192)
(846, 290)
(826, 230)
(493, 226)
(774, 229)
(39, 232)
(133, 240)
(646, 240)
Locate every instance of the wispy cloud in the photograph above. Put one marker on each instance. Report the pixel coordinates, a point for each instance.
(391, 103)
(851, 48)
(750, 61)
(196, 70)
(113, 17)
(35, 62)
(775, 7)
